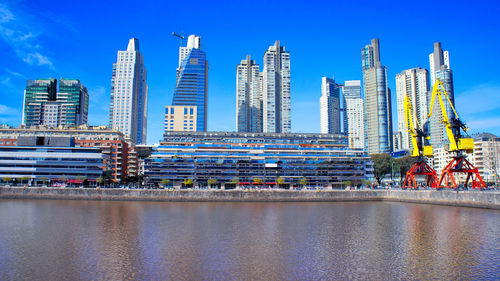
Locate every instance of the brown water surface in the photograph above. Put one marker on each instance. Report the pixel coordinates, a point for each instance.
(92, 240)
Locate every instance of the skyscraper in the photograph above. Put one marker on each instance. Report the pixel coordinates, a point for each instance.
(439, 62)
(377, 97)
(354, 108)
(129, 94)
(413, 83)
(248, 97)
(191, 87)
(330, 117)
(276, 90)
(44, 105)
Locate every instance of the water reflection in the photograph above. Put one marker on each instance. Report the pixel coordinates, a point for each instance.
(87, 240)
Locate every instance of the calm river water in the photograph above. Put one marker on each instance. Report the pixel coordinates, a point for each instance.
(92, 240)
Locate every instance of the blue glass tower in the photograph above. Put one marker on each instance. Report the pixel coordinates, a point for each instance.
(192, 75)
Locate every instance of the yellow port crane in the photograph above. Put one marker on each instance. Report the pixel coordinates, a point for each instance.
(420, 150)
(457, 144)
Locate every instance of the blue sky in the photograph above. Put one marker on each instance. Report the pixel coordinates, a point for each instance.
(80, 39)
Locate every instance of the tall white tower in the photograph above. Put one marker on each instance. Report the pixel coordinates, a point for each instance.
(276, 90)
(248, 97)
(354, 108)
(413, 83)
(129, 94)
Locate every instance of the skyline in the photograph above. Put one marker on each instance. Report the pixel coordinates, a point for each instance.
(33, 48)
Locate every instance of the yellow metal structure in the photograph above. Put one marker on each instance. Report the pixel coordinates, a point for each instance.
(463, 144)
(426, 149)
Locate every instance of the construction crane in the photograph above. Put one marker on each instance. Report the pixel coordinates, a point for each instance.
(458, 145)
(420, 150)
(180, 36)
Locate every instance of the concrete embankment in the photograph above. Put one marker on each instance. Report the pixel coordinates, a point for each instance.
(480, 199)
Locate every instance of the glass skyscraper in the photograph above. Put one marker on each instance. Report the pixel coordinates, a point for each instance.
(192, 77)
(44, 105)
(439, 61)
(330, 121)
(377, 96)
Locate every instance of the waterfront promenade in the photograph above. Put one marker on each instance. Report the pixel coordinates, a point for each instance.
(480, 199)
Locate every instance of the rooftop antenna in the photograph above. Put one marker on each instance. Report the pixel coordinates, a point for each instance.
(180, 36)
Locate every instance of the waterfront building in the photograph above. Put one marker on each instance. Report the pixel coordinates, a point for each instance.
(248, 97)
(180, 118)
(276, 105)
(258, 159)
(486, 156)
(330, 117)
(120, 156)
(191, 88)
(377, 101)
(439, 62)
(50, 159)
(414, 84)
(45, 105)
(129, 94)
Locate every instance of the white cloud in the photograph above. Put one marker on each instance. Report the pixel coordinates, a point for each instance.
(23, 41)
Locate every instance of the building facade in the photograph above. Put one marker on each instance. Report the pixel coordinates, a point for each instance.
(330, 111)
(191, 87)
(258, 159)
(377, 101)
(248, 97)
(439, 62)
(486, 156)
(114, 145)
(414, 84)
(129, 94)
(354, 114)
(50, 158)
(45, 105)
(180, 118)
(276, 106)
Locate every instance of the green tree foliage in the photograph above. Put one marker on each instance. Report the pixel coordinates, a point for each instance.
(382, 165)
(347, 183)
(303, 181)
(188, 182)
(165, 182)
(235, 181)
(212, 182)
(280, 180)
(257, 180)
(403, 165)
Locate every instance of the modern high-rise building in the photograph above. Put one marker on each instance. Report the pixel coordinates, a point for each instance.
(191, 87)
(330, 117)
(276, 90)
(248, 97)
(45, 105)
(377, 96)
(439, 62)
(129, 94)
(413, 83)
(354, 108)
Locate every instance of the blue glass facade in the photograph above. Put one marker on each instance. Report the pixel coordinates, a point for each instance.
(191, 87)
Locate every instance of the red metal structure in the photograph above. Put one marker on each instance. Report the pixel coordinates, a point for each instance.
(420, 168)
(459, 164)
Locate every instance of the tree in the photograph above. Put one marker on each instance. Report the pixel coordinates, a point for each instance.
(100, 180)
(188, 182)
(165, 182)
(303, 181)
(212, 182)
(257, 181)
(25, 179)
(235, 181)
(404, 164)
(381, 166)
(6, 179)
(347, 183)
(280, 180)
